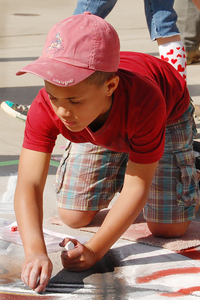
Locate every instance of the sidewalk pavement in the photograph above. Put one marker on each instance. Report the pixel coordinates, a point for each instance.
(129, 270)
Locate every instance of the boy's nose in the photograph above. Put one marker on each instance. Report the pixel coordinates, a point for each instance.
(63, 112)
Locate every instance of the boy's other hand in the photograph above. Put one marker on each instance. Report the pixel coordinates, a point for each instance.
(36, 272)
(78, 259)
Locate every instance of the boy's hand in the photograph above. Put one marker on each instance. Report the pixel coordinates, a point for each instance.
(36, 272)
(79, 259)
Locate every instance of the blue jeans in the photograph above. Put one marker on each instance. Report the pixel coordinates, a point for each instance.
(161, 18)
(160, 15)
(100, 8)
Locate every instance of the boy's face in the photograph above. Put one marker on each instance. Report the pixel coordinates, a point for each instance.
(83, 104)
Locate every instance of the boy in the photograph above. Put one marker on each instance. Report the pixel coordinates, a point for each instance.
(90, 97)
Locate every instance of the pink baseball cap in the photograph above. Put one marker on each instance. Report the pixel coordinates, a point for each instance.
(75, 48)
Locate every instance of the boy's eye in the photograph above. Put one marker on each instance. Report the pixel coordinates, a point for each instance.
(70, 100)
(52, 98)
(74, 102)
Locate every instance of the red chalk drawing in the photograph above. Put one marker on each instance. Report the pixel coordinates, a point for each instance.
(14, 228)
(190, 253)
(182, 292)
(170, 272)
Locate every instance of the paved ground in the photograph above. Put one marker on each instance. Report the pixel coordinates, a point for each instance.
(129, 270)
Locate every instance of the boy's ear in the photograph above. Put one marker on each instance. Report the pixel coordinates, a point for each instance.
(112, 84)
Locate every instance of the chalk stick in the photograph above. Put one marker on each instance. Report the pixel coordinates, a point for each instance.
(69, 246)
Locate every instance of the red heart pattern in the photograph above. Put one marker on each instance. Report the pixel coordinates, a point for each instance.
(170, 52)
(180, 68)
(174, 61)
(177, 59)
(164, 58)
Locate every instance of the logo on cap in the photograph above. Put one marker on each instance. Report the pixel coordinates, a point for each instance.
(56, 44)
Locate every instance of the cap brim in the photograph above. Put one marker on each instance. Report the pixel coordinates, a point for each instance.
(56, 72)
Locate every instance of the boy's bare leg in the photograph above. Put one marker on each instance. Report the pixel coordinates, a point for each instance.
(171, 39)
(168, 230)
(76, 218)
(172, 230)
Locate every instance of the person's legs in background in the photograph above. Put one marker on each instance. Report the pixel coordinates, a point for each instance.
(189, 26)
(161, 20)
(100, 8)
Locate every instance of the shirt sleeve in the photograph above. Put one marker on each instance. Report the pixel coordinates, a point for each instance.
(40, 130)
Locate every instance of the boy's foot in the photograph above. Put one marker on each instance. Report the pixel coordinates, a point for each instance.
(18, 111)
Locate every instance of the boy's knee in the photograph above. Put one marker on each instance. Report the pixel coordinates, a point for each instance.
(172, 230)
(76, 218)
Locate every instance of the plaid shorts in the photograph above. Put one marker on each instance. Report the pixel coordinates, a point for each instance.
(174, 191)
(89, 176)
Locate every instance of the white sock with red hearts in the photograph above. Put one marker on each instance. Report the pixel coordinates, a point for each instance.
(174, 53)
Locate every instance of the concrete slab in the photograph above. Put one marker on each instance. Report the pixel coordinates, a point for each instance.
(129, 270)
